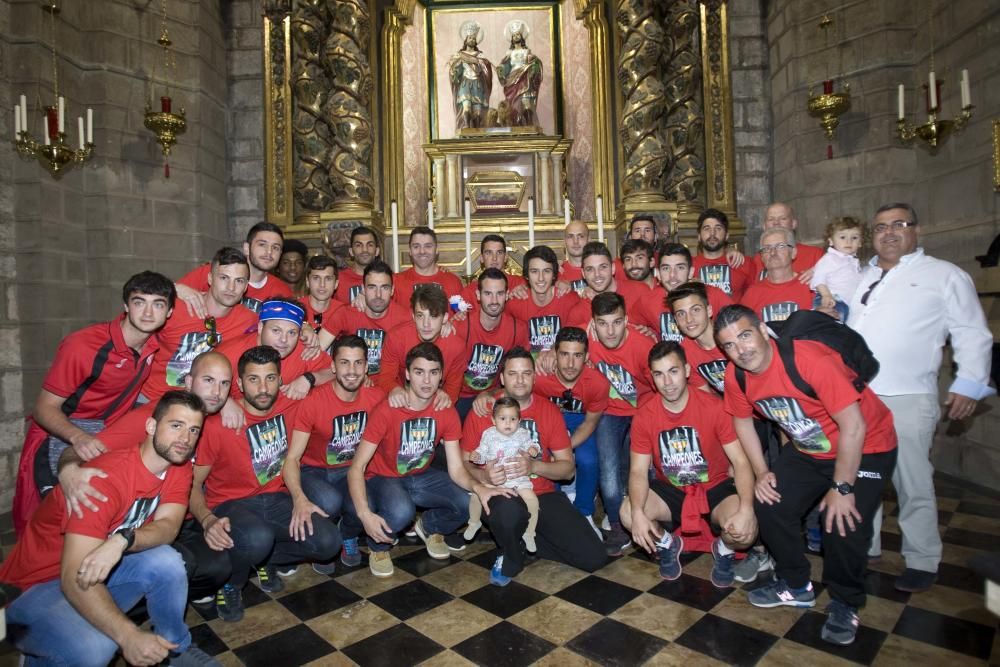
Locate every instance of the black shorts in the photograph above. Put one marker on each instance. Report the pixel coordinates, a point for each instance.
(674, 497)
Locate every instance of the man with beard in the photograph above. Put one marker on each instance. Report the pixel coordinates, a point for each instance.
(575, 237)
(491, 332)
(292, 265)
(643, 228)
(379, 315)
(364, 250)
(712, 266)
(81, 574)
(562, 533)
(637, 262)
(185, 336)
(599, 272)
(543, 311)
(673, 269)
(263, 250)
(493, 255)
(425, 270)
(209, 379)
(581, 394)
(779, 294)
(93, 380)
(391, 475)
(321, 284)
(327, 431)
(239, 495)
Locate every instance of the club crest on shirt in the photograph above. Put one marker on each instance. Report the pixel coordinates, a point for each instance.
(192, 344)
(778, 312)
(252, 303)
(542, 332)
(717, 275)
(375, 339)
(139, 513)
(805, 433)
(571, 404)
(353, 293)
(345, 436)
(484, 364)
(417, 439)
(681, 458)
(578, 285)
(268, 448)
(668, 328)
(622, 382)
(714, 373)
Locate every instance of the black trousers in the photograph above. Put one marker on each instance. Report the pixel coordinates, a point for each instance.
(802, 482)
(207, 569)
(562, 534)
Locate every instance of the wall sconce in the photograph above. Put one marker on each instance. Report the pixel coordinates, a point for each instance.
(165, 124)
(830, 106)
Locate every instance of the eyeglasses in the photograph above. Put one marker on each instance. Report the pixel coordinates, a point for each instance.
(895, 225)
(764, 249)
(213, 332)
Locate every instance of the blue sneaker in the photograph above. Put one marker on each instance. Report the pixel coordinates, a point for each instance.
(497, 577)
(668, 553)
(814, 540)
(723, 574)
(349, 554)
(841, 623)
(778, 594)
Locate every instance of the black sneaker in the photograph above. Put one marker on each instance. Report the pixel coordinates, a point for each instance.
(841, 623)
(915, 581)
(269, 580)
(229, 603)
(777, 594)
(455, 541)
(616, 540)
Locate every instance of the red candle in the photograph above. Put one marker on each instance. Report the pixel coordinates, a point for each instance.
(52, 118)
(165, 104)
(828, 87)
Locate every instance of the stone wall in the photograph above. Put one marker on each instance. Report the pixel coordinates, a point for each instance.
(76, 240)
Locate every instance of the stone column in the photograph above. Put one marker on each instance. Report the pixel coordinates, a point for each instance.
(557, 182)
(544, 186)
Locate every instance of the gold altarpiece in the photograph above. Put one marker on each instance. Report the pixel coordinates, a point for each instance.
(660, 140)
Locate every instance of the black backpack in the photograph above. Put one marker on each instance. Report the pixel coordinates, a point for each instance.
(814, 325)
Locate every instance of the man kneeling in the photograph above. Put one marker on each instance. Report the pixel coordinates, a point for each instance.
(694, 444)
(81, 573)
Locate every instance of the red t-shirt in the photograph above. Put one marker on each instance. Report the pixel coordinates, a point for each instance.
(626, 369)
(292, 366)
(484, 351)
(405, 281)
(314, 317)
(334, 426)
(543, 322)
(542, 420)
(633, 292)
(718, 273)
(588, 394)
(405, 439)
(403, 338)
(185, 337)
(133, 494)
(807, 421)
(128, 431)
(272, 286)
(686, 447)
(572, 274)
(775, 302)
(469, 291)
(350, 283)
(707, 366)
(806, 257)
(353, 321)
(247, 462)
(656, 314)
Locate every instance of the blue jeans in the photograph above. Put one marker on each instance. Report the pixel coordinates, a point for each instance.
(842, 308)
(49, 630)
(258, 526)
(612, 435)
(584, 485)
(396, 499)
(326, 488)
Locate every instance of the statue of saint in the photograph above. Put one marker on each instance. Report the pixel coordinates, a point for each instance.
(520, 73)
(471, 77)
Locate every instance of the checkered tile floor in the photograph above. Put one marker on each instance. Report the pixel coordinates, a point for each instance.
(446, 613)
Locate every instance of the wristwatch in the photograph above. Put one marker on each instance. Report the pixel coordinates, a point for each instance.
(129, 535)
(843, 488)
(310, 378)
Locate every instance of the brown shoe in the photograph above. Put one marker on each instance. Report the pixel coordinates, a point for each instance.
(436, 546)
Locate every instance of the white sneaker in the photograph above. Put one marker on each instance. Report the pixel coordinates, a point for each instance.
(593, 525)
(605, 523)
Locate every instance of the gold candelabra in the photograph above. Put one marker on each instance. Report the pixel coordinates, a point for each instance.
(165, 124)
(830, 106)
(936, 130)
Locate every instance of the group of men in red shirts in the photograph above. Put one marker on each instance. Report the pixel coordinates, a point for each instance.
(338, 416)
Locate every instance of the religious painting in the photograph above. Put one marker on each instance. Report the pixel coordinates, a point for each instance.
(494, 70)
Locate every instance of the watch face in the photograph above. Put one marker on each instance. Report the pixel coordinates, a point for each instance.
(844, 488)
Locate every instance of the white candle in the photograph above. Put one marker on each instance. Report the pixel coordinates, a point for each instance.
(430, 213)
(933, 89)
(79, 129)
(566, 210)
(902, 102)
(62, 114)
(966, 97)
(45, 130)
(24, 113)
(17, 121)
(531, 222)
(600, 219)
(90, 126)
(395, 237)
(468, 237)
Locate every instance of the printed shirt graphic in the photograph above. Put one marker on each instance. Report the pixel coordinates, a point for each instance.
(417, 439)
(484, 364)
(349, 285)
(626, 370)
(707, 366)
(806, 433)
(774, 302)
(192, 344)
(405, 439)
(252, 303)
(140, 512)
(668, 328)
(778, 312)
(484, 350)
(350, 320)
(680, 456)
(543, 322)
(621, 381)
(335, 427)
(542, 331)
(346, 434)
(375, 339)
(714, 373)
(268, 447)
(717, 275)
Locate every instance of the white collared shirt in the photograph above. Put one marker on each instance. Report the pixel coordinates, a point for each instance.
(911, 311)
(839, 271)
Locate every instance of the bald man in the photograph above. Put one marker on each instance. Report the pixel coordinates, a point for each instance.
(576, 235)
(780, 214)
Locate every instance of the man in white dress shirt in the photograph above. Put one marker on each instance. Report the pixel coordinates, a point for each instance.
(907, 306)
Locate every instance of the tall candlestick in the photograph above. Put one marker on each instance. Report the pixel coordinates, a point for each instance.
(79, 130)
(566, 216)
(90, 126)
(531, 222)
(933, 90)
(395, 236)
(468, 237)
(600, 219)
(966, 97)
(24, 113)
(62, 114)
(430, 213)
(902, 102)
(45, 129)
(17, 121)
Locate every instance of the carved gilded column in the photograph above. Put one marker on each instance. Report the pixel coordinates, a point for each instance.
(684, 130)
(277, 113)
